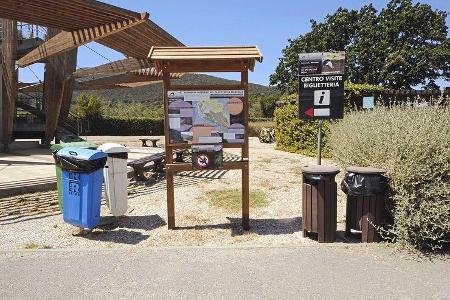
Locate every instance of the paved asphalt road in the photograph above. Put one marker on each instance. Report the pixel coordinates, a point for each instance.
(253, 273)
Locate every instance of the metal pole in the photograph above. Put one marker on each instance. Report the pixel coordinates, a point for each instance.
(319, 144)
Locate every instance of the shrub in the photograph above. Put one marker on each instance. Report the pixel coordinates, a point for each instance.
(268, 104)
(413, 146)
(298, 136)
(89, 106)
(254, 127)
(267, 135)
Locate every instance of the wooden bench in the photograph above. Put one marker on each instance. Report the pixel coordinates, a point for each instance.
(153, 140)
(157, 159)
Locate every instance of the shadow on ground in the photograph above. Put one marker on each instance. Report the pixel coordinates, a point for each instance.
(270, 227)
(17, 162)
(114, 230)
(181, 180)
(258, 226)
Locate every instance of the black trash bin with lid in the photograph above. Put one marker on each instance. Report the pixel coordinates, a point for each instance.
(319, 201)
(366, 190)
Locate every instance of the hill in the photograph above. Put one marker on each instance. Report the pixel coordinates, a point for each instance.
(152, 94)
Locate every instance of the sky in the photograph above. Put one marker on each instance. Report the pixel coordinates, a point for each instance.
(268, 24)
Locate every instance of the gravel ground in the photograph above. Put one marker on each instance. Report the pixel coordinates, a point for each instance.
(33, 221)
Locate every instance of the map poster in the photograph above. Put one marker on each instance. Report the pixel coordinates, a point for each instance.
(206, 117)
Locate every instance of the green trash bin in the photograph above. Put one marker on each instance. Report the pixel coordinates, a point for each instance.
(55, 148)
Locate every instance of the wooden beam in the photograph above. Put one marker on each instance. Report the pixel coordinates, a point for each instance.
(170, 188)
(65, 41)
(70, 65)
(58, 88)
(118, 79)
(30, 87)
(202, 66)
(9, 79)
(124, 65)
(245, 154)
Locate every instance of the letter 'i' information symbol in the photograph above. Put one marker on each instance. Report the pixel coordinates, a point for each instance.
(322, 97)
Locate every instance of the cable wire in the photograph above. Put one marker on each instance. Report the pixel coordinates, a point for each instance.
(34, 74)
(97, 53)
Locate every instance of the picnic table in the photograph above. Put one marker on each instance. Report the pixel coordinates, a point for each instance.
(153, 140)
(139, 165)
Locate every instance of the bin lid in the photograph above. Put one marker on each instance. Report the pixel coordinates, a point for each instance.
(364, 170)
(320, 169)
(113, 148)
(88, 145)
(81, 153)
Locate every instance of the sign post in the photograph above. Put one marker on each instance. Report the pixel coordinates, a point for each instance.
(319, 144)
(321, 89)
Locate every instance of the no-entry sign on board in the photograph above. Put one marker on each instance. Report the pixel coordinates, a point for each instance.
(321, 87)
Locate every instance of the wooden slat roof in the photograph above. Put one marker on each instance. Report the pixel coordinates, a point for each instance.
(66, 15)
(136, 41)
(128, 65)
(88, 18)
(191, 55)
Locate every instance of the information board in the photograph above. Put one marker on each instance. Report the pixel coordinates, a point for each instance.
(206, 117)
(321, 85)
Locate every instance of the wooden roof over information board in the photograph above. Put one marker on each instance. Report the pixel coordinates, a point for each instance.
(203, 59)
(84, 21)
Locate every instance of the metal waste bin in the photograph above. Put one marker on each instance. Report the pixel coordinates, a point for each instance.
(55, 148)
(366, 190)
(81, 179)
(115, 177)
(319, 202)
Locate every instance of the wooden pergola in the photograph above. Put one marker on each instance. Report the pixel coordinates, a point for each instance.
(84, 21)
(71, 23)
(172, 60)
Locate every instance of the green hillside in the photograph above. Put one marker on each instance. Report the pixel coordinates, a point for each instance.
(152, 93)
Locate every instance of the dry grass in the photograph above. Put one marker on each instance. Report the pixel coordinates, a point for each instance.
(32, 245)
(231, 200)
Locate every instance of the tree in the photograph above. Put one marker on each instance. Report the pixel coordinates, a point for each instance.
(267, 103)
(89, 106)
(401, 46)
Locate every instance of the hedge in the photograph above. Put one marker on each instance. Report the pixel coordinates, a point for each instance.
(148, 126)
(413, 146)
(298, 136)
(126, 126)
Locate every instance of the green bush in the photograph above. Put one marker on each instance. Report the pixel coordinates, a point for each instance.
(413, 146)
(298, 136)
(89, 106)
(254, 127)
(126, 126)
(267, 135)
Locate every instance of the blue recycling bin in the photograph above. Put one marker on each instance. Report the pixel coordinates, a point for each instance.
(82, 178)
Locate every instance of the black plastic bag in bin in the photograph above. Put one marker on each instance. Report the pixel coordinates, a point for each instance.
(355, 184)
(314, 179)
(73, 164)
